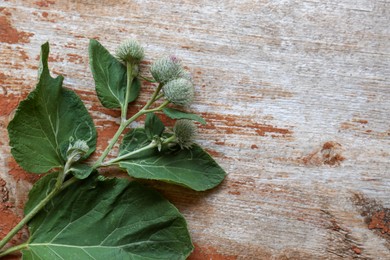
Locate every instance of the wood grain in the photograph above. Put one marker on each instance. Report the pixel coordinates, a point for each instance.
(297, 99)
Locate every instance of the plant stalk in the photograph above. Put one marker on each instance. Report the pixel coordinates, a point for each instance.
(34, 211)
(156, 92)
(125, 156)
(130, 78)
(124, 124)
(13, 249)
(163, 105)
(153, 144)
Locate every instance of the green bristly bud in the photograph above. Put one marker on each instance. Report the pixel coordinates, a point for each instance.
(77, 150)
(185, 131)
(179, 91)
(130, 51)
(168, 68)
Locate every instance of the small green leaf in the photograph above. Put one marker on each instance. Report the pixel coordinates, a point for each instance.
(110, 77)
(135, 89)
(47, 121)
(177, 114)
(133, 140)
(81, 171)
(111, 219)
(153, 126)
(193, 168)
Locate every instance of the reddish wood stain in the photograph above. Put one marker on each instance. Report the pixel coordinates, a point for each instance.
(9, 34)
(357, 250)
(106, 129)
(8, 219)
(74, 58)
(208, 253)
(361, 121)
(329, 154)
(328, 145)
(44, 3)
(375, 215)
(71, 45)
(18, 173)
(214, 153)
(52, 58)
(23, 54)
(8, 102)
(235, 124)
(381, 220)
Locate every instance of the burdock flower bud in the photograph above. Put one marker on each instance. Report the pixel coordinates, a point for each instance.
(185, 131)
(168, 68)
(77, 150)
(179, 91)
(130, 51)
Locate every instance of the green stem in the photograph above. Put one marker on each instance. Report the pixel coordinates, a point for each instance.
(125, 156)
(159, 96)
(110, 145)
(69, 182)
(34, 211)
(156, 92)
(125, 123)
(147, 79)
(153, 144)
(115, 138)
(13, 249)
(130, 78)
(163, 105)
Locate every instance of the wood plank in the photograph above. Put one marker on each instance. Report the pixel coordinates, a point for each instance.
(297, 99)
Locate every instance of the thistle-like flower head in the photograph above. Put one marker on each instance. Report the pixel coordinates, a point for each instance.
(130, 51)
(179, 91)
(185, 131)
(168, 68)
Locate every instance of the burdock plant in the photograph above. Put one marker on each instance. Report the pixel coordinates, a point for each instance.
(75, 212)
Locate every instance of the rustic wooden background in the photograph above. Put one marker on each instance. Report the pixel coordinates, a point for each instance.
(297, 99)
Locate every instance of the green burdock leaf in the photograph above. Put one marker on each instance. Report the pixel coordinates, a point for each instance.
(177, 114)
(46, 123)
(111, 219)
(193, 168)
(153, 126)
(110, 77)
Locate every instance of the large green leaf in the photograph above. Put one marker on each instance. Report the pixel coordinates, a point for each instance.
(193, 168)
(47, 121)
(110, 77)
(111, 219)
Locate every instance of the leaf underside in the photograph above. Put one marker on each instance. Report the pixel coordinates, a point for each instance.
(111, 219)
(193, 168)
(47, 121)
(177, 114)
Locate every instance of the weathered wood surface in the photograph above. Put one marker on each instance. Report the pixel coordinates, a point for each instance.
(297, 99)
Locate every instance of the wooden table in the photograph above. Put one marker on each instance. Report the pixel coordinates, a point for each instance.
(297, 101)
